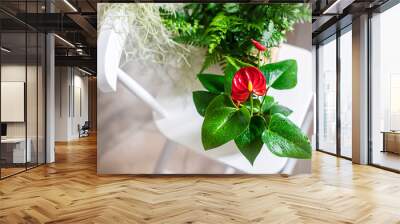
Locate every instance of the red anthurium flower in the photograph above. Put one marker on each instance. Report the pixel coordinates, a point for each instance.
(259, 46)
(246, 81)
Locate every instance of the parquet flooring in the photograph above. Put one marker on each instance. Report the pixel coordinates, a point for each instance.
(69, 191)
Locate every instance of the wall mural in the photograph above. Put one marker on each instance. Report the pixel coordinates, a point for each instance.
(189, 88)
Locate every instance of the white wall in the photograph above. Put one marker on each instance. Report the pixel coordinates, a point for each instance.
(71, 102)
(34, 125)
(12, 73)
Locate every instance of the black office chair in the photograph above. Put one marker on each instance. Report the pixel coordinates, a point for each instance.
(84, 130)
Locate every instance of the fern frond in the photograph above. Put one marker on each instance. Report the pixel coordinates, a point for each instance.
(211, 59)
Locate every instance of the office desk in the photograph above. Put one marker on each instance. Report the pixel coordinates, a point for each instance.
(391, 141)
(13, 150)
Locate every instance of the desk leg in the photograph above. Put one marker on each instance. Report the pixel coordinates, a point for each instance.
(384, 142)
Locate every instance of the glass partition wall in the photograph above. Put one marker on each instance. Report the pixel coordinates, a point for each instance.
(22, 77)
(385, 90)
(334, 94)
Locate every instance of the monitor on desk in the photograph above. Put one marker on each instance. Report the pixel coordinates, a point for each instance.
(3, 130)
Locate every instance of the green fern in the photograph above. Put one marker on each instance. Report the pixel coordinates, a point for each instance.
(211, 59)
(226, 29)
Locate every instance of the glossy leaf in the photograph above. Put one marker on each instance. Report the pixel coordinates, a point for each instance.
(223, 122)
(232, 66)
(285, 139)
(202, 99)
(268, 103)
(249, 142)
(280, 109)
(213, 83)
(281, 75)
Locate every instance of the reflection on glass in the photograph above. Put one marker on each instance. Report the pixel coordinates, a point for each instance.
(346, 94)
(31, 100)
(385, 84)
(13, 86)
(327, 97)
(22, 90)
(41, 98)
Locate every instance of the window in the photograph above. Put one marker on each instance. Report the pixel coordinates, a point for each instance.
(327, 96)
(334, 106)
(385, 89)
(346, 93)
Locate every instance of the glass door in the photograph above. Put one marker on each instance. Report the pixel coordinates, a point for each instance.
(327, 96)
(22, 92)
(385, 90)
(346, 93)
(14, 155)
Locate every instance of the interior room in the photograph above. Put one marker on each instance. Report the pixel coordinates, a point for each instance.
(199, 111)
(22, 99)
(385, 107)
(72, 103)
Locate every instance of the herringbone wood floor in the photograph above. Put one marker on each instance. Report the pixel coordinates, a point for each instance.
(69, 191)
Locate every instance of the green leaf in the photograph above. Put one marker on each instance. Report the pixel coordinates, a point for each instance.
(223, 122)
(285, 139)
(280, 109)
(201, 100)
(268, 103)
(281, 75)
(249, 142)
(231, 7)
(213, 83)
(233, 65)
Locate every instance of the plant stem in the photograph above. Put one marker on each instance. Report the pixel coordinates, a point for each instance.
(251, 103)
(234, 104)
(261, 105)
(259, 58)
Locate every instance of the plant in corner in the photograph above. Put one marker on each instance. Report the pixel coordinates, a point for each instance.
(236, 106)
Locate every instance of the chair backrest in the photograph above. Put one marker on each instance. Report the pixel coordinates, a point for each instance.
(86, 125)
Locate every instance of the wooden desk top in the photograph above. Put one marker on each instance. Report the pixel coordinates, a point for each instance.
(13, 140)
(391, 132)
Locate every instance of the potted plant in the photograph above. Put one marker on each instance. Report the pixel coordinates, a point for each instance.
(236, 106)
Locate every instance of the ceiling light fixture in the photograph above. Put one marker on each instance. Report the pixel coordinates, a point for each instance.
(5, 50)
(84, 71)
(326, 11)
(70, 5)
(64, 40)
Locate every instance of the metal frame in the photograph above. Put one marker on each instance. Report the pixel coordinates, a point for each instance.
(369, 97)
(316, 96)
(0, 90)
(338, 98)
